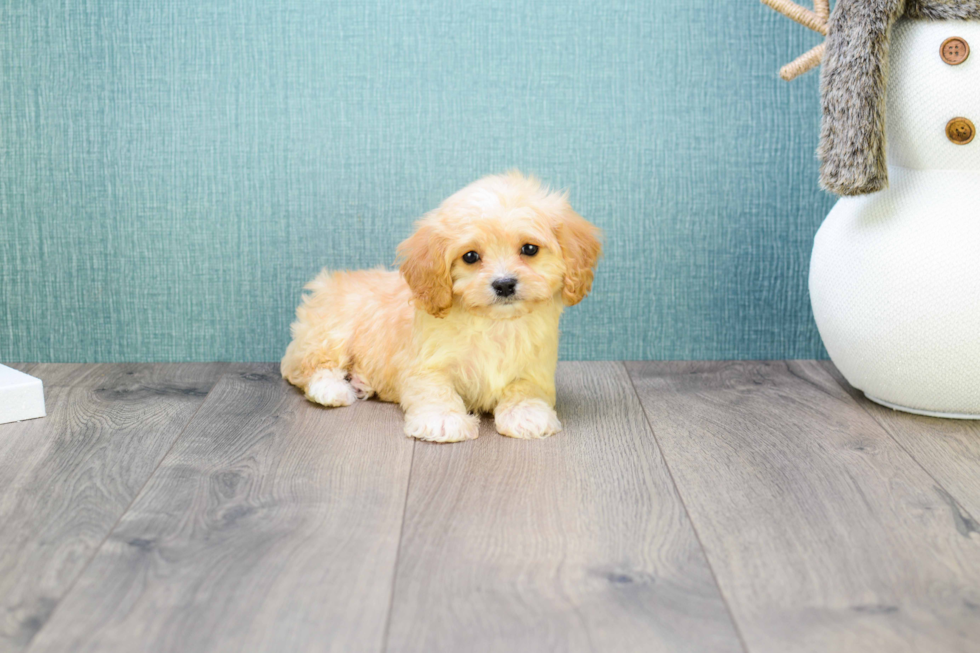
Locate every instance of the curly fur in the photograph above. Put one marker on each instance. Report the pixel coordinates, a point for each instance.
(853, 86)
(943, 9)
(435, 337)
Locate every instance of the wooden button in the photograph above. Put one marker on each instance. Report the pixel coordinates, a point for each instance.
(955, 50)
(960, 130)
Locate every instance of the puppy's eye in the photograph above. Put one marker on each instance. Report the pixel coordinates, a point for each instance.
(529, 249)
(470, 258)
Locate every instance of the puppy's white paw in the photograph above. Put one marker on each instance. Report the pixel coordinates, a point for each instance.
(434, 426)
(530, 419)
(329, 388)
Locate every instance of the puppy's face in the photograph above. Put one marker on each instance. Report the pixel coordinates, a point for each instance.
(498, 248)
(504, 262)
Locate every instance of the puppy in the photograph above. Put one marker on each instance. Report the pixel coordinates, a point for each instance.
(468, 325)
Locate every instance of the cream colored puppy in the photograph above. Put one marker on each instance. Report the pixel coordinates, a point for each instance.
(468, 325)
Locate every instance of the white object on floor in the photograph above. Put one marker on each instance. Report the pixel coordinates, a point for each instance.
(21, 396)
(916, 411)
(894, 276)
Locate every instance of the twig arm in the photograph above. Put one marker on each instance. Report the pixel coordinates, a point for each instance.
(805, 63)
(822, 7)
(801, 15)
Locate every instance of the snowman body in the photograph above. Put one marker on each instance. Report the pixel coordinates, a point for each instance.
(895, 275)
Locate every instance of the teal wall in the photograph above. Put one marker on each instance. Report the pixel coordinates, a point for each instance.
(172, 172)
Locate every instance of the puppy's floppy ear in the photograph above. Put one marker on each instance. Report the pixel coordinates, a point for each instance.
(426, 270)
(580, 246)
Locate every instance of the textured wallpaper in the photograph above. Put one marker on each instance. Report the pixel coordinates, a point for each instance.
(172, 172)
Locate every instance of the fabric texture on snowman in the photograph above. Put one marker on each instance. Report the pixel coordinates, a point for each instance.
(853, 87)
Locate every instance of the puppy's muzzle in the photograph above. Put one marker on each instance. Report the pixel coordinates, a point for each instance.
(504, 287)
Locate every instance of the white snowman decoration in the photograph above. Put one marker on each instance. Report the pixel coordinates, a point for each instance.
(895, 271)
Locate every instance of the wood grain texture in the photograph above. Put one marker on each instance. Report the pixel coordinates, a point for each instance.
(949, 449)
(67, 478)
(574, 543)
(91, 375)
(272, 525)
(825, 535)
(23, 367)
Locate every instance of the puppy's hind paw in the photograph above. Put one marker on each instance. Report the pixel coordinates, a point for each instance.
(529, 420)
(433, 426)
(330, 388)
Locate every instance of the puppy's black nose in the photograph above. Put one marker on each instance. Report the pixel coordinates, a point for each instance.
(504, 287)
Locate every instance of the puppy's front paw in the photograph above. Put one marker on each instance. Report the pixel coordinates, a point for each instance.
(330, 388)
(529, 419)
(434, 426)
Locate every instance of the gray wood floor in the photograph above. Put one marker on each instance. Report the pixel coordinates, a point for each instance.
(756, 507)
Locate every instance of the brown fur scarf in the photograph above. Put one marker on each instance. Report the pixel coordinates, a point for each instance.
(853, 81)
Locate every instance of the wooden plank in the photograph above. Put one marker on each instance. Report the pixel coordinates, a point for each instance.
(824, 534)
(272, 525)
(121, 375)
(574, 543)
(65, 480)
(23, 367)
(949, 449)
(88, 375)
